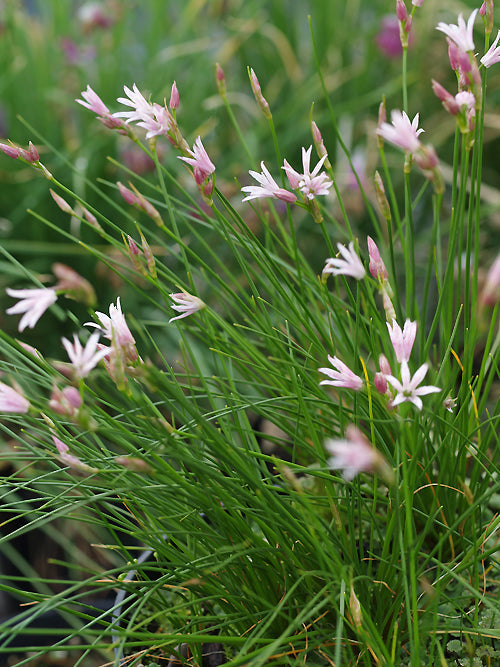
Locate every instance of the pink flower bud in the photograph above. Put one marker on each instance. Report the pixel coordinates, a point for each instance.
(62, 203)
(401, 11)
(259, 97)
(10, 151)
(380, 383)
(446, 98)
(128, 195)
(453, 54)
(73, 285)
(174, 98)
(221, 80)
(382, 202)
(376, 266)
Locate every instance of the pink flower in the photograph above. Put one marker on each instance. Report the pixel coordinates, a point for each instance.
(376, 266)
(141, 108)
(402, 340)
(355, 455)
(342, 376)
(351, 265)
(402, 132)
(114, 327)
(84, 359)
(407, 389)
(267, 188)
(161, 123)
(310, 183)
(492, 55)
(461, 34)
(94, 103)
(33, 303)
(12, 401)
(186, 304)
(417, 3)
(201, 163)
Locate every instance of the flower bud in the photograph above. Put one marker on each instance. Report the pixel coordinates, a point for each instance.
(382, 202)
(221, 80)
(62, 203)
(261, 100)
(174, 98)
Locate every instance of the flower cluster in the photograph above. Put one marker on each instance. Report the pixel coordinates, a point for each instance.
(461, 53)
(407, 389)
(157, 120)
(309, 184)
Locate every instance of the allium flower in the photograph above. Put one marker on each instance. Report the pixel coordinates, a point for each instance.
(402, 340)
(461, 34)
(351, 265)
(355, 454)
(407, 389)
(186, 304)
(33, 303)
(84, 359)
(12, 401)
(201, 163)
(401, 132)
(492, 55)
(267, 188)
(342, 376)
(114, 327)
(310, 183)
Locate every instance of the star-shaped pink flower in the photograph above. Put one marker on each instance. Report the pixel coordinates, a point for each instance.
(407, 389)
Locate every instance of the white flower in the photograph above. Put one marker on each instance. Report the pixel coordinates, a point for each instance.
(351, 265)
(492, 56)
(84, 359)
(142, 109)
(408, 389)
(267, 187)
(186, 304)
(461, 34)
(33, 303)
(310, 183)
(401, 132)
